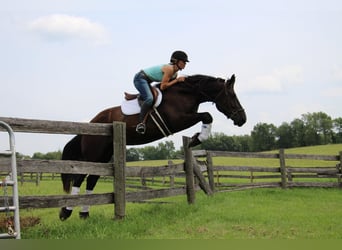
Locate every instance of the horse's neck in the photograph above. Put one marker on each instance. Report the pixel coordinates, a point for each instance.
(207, 92)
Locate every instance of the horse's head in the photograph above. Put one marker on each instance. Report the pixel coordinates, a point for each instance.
(228, 103)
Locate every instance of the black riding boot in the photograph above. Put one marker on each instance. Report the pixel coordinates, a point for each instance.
(141, 128)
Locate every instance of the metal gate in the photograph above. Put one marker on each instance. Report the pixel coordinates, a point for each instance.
(11, 180)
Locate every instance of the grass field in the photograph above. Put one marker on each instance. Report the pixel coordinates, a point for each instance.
(299, 213)
(254, 214)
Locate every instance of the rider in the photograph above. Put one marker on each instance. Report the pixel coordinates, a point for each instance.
(166, 74)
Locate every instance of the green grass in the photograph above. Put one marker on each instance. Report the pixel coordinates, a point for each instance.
(253, 214)
(331, 149)
(299, 213)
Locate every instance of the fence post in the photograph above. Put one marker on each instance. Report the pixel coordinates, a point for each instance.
(210, 171)
(172, 177)
(39, 176)
(189, 171)
(282, 168)
(119, 163)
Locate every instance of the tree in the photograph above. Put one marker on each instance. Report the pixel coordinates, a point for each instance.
(263, 137)
(318, 128)
(132, 154)
(162, 151)
(337, 129)
(57, 155)
(166, 150)
(243, 142)
(220, 142)
(285, 136)
(148, 153)
(298, 132)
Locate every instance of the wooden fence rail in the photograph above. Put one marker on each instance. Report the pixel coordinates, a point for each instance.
(104, 169)
(58, 127)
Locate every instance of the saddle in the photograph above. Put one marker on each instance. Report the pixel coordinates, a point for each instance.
(132, 102)
(131, 106)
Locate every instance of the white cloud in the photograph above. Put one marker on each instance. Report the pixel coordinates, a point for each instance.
(65, 27)
(276, 80)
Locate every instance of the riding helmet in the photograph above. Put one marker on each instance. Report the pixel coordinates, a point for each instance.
(179, 55)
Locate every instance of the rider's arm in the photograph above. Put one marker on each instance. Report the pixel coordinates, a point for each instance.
(165, 83)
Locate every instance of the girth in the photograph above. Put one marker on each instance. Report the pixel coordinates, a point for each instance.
(161, 124)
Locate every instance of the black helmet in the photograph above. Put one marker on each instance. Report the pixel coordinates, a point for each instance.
(179, 55)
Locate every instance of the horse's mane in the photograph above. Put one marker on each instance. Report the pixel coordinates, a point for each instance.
(199, 78)
(194, 82)
(198, 81)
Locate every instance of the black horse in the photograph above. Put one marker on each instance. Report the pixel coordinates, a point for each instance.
(179, 111)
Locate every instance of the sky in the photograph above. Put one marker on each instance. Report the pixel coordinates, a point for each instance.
(67, 60)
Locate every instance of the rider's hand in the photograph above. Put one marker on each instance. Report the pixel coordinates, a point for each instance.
(181, 79)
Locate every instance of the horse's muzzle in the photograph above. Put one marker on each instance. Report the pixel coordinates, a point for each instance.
(239, 117)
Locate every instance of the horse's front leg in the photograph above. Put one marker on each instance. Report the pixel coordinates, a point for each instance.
(206, 120)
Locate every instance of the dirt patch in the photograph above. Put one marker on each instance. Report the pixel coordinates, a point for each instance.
(25, 222)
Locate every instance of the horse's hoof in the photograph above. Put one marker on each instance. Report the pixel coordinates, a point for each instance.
(64, 213)
(84, 215)
(194, 141)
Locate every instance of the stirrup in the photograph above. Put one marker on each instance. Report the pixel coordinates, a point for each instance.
(141, 128)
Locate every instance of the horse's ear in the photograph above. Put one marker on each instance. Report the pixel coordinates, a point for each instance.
(231, 81)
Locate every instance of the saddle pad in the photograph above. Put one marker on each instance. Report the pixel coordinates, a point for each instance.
(132, 107)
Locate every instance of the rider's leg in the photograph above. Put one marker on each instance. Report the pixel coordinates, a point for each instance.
(145, 92)
(142, 117)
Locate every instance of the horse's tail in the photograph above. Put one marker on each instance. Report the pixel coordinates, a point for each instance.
(71, 151)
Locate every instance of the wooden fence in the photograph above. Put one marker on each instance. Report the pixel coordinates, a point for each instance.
(115, 169)
(283, 175)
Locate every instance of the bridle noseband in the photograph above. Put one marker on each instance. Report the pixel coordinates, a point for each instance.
(235, 112)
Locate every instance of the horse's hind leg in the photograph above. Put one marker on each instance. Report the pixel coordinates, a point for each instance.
(91, 182)
(66, 212)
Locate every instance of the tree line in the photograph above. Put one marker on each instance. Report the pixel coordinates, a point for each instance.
(310, 129)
